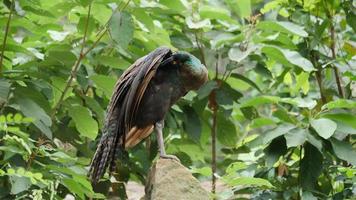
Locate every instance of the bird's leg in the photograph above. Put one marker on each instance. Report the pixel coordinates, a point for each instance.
(162, 152)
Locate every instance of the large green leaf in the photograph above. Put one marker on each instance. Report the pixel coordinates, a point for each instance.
(226, 130)
(241, 7)
(260, 100)
(113, 62)
(192, 123)
(296, 137)
(274, 133)
(84, 121)
(121, 28)
(285, 27)
(340, 103)
(247, 80)
(4, 90)
(345, 118)
(31, 109)
(214, 13)
(249, 181)
(324, 127)
(104, 83)
(310, 167)
(206, 89)
(344, 151)
(284, 55)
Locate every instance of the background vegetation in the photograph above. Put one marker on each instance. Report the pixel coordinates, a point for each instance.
(276, 120)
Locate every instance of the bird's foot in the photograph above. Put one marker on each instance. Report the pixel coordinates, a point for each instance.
(173, 157)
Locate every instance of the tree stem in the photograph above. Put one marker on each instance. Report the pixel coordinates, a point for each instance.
(320, 82)
(7, 28)
(333, 53)
(213, 142)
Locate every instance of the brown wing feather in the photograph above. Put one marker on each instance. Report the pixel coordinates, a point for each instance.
(136, 135)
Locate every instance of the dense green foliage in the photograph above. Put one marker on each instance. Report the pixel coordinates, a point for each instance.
(279, 108)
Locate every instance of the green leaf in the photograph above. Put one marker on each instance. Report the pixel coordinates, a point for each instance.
(344, 151)
(311, 167)
(296, 137)
(19, 184)
(284, 27)
(241, 7)
(324, 127)
(175, 5)
(340, 103)
(105, 83)
(250, 181)
(113, 62)
(206, 89)
(345, 118)
(274, 133)
(260, 100)
(249, 112)
(65, 58)
(285, 57)
(121, 28)
(226, 131)
(275, 150)
(194, 24)
(4, 90)
(214, 13)
(30, 109)
(238, 55)
(316, 142)
(192, 124)
(84, 122)
(73, 187)
(262, 121)
(247, 80)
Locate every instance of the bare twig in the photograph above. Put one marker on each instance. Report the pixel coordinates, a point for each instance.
(76, 64)
(7, 28)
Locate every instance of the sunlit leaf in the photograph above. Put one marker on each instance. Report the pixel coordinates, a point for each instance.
(344, 151)
(84, 122)
(285, 27)
(324, 127)
(121, 28)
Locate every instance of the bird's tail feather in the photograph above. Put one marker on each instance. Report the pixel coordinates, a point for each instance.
(103, 157)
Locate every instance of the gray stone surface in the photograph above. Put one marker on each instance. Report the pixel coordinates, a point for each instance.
(169, 180)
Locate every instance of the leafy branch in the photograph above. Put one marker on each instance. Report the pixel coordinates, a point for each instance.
(7, 28)
(76, 65)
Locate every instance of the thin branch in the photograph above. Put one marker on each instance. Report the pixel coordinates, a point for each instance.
(319, 77)
(214, 107)
(76, 64)
(333, 53)
(213, 143)
(7, 28)
(200, 47)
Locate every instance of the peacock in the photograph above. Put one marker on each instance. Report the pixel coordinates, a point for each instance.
(142, 96)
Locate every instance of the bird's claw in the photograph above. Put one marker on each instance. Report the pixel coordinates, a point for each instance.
(173, 157)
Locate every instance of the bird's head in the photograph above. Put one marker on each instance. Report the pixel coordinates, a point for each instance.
(193, 72)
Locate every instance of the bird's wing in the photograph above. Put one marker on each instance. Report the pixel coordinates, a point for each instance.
(122, 109)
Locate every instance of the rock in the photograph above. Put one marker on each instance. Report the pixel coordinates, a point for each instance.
(169, 180)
